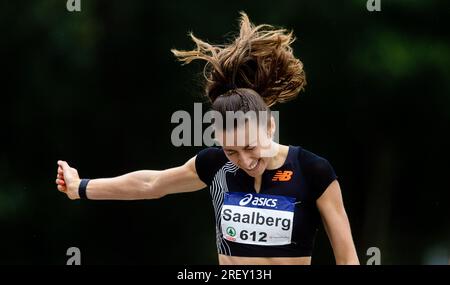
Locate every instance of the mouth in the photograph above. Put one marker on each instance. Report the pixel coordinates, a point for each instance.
(254, 165)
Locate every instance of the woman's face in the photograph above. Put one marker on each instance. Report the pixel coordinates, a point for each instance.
(248, 147)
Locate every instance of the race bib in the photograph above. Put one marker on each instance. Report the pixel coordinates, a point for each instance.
(259, 219)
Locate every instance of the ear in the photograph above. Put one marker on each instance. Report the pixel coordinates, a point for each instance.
(219, 137)
(272, 127)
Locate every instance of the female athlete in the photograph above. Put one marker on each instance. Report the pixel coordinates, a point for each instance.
(268, 198)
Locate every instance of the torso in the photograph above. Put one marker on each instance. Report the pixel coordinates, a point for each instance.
(247, 260)
(248, 233)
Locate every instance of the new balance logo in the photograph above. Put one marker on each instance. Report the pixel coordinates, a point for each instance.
(282, 175)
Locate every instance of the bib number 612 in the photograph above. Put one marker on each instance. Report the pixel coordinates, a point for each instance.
(254, 236)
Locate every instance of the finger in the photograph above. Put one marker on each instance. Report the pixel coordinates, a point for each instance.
(60, 182)
(60, 176)
(60, 170)
(64, 165)
(62, 188)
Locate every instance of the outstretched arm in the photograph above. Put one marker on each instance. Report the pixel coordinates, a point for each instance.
(143, 184)
(336, 224)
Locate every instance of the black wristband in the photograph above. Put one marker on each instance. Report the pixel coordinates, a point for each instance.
(82, 189)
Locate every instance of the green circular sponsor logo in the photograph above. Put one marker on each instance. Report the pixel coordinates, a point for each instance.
(231, 231)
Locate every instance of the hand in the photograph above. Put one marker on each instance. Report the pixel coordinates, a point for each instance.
(68, 180)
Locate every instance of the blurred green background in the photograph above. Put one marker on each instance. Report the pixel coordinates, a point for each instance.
(98, 87)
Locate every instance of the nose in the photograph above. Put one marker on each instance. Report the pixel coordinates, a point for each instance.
(245, 160)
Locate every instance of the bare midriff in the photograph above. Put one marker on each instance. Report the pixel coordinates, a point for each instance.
(243, 260)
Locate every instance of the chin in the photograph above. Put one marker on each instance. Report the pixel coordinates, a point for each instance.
(255, 174)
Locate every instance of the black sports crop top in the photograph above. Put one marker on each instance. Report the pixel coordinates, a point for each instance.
(279, 221)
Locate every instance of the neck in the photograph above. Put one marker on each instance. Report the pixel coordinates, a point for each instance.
(280, 156)
(275, 162)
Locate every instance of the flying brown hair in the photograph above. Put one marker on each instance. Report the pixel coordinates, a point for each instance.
(259, 58)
